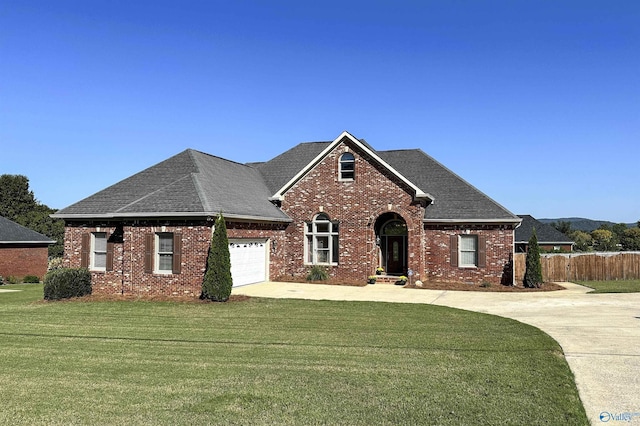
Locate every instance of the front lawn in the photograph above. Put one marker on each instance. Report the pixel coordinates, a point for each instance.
(620, 286)
(264, 361)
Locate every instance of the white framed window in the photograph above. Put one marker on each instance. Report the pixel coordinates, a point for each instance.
(164, 253)
(98, 251)
(321, 242)
(468, 251)
(347, 166)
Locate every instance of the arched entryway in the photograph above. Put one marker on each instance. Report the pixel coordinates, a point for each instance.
(391, 236)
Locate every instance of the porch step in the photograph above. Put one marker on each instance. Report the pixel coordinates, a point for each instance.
(386, 279)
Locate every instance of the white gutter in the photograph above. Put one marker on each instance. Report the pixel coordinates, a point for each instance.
(145, 215)
(459, 221)
(28, 242)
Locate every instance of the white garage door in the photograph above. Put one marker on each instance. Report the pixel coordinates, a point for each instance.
(248, 261)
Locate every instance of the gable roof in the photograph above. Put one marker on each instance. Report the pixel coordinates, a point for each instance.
(14, 233)
(545, 233)
(189, 184)
(452, 199)
(362, 145)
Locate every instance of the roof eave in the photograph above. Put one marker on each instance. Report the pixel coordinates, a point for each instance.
(168, 215)
(28, 242)
(564, 243)
(474, 221)
(418, 193)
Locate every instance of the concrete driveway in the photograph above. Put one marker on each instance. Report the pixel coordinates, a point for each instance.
(599, 333)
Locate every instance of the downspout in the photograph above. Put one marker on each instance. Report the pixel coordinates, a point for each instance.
(513, 254)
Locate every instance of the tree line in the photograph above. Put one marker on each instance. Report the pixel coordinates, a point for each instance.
(616, 237)
(18, 204)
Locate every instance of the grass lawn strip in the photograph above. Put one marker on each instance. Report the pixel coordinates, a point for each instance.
(619, 286)
(266, 361)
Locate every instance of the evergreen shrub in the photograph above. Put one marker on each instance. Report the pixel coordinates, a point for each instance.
(217, 282)
(65, 283)
(533, 271)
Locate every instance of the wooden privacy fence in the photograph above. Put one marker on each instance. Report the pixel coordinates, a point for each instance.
(583, 266)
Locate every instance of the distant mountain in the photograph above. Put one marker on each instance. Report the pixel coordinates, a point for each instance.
(583, 224)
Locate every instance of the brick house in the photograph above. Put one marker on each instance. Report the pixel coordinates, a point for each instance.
(340, 204)
(22, 251)
(549, 238)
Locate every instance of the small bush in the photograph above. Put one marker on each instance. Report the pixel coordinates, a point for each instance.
(64, 283)
(31, 279)
(12, 280)
(54, 263)
(317, 273)
(485, 284)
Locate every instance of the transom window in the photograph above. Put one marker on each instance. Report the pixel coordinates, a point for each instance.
(99, 251)
(164, 253)
(347, 166)
(468, 247)
(322, 241)
(395, 227)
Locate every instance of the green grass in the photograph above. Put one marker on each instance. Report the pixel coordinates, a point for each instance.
(265, 361)
(620, 286)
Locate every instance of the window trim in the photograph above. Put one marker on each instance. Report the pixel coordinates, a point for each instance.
(475, 251)
(157, 253)
(311, 240)
(93, 251)
(341, 164)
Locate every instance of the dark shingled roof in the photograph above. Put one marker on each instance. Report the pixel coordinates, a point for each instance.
(281, 169)
(11, 232)
(189, 183)
(455, 199)
(546, 233)
(201, 184)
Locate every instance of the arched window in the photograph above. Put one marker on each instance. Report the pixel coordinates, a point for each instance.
(321, 246)
(347, 166)
(394, 227)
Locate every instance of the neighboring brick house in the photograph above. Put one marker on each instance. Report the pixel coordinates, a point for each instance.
(22, 251)
(549, 238)
(340, 204)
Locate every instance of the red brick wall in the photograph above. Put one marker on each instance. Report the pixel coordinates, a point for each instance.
(499, 249)
(21, 260)
(128, 275)
(356, 205)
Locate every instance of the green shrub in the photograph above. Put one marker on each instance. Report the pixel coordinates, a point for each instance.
(217, 282)
(64, 283)
(533, 271)
(317, 273)
(485, 284)
(402, 280)
(12, 280)
(31, 279)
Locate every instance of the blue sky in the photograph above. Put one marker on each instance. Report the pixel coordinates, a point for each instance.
(536, 103)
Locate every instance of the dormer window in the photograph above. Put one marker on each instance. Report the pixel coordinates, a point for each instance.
(347, 166)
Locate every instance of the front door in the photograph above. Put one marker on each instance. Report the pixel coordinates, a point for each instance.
(395, 255)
